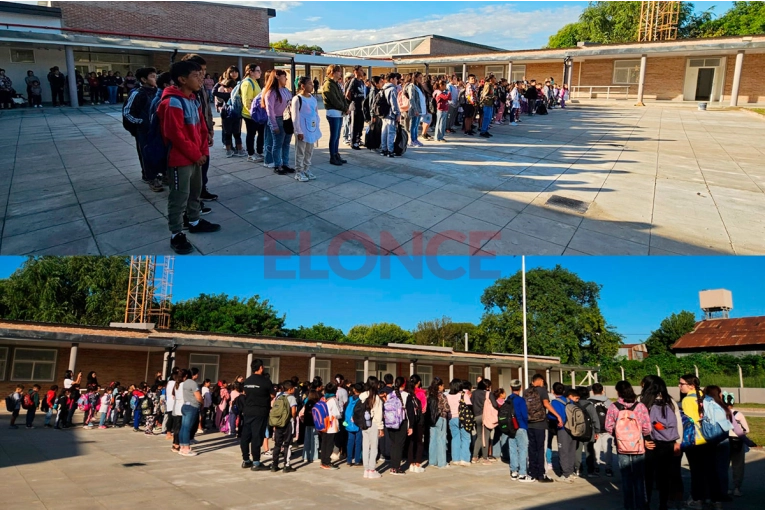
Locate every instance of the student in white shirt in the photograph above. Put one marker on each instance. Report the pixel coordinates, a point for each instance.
(305, 118)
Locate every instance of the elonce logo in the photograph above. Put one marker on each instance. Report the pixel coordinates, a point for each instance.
(419, 254)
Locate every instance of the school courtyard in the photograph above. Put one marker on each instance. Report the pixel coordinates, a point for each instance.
(116, 468)
(602, 178)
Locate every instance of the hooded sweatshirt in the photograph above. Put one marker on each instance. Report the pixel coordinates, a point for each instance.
(391, 96)
(183, 127)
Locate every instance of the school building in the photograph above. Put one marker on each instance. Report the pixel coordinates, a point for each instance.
(40, 353)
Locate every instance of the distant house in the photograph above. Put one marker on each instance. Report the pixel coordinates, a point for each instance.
(738, 337)
(632, 352)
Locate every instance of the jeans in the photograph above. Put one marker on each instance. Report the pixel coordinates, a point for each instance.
(460, 442)
(102, 419)
(723, 461)
(632, 468)
(346, 128)
(370, 439)
(437, 448)
(486, 114)
(536, 452)
(112, 94)
(519, 452)
(268, 151)
(451, 118)
(30, 417)
(310, 444)
(354, 447)
(388, 136)
(253, 432)
(190, 420)
(232, 128)
(280, 143)
(253, 128)
(414, 125)
(441, 124)
(48, 416)
(136, 418)
(335, 125)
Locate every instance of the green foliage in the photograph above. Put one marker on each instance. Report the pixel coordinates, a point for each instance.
(567, 37)
(670, 330)
(68, 290)
(318, 332)
(744, 18)
(563, 320)
(286, 46)
(222, 314)
(444, 333)
(381, 333)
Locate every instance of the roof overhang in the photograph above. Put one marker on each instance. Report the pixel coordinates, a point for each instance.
(325, 60)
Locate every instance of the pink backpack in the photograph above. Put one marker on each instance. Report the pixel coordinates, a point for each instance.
(490, 415)
(627, 431)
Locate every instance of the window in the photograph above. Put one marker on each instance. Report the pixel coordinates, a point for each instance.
(360, 371)
(22, 56)
(519, 71)
(207, 365)
(497, 71)
(323, 370)
(3, 361)
(385, 368)
(426, 374)
(271, 367)
(626, 71)
(473, 374)
(705, 62)
(33, 364)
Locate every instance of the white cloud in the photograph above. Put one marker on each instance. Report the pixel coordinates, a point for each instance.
(500, 25)
(279, 6)
(313, 18)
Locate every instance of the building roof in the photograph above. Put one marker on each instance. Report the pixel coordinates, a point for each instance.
(63, 335)
(724, 334)
(400, 47)
(34, 10)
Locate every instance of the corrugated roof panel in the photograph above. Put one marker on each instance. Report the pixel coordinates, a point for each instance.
(717, 333)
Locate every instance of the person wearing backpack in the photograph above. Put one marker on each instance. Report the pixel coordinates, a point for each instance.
(413, 98)
(399, 419)
(276, 98)
(13, 404)
(718, 413)
(62, 408)
(282, 419)
(249, 90)
(438, 415)
(585, 443)
(47, 404)
(538, 405)
(310, 435)
(460, 436)
(305, 117)
(567, 444)
(518, 445)
(355, 440)
(331, 427)
(666, 428)
(629, 423)
(416, 441)
(135, 119)
(482, 397)
(372, 401)
(392, 117)
(600, 452)
(31, 402)
(739, 444)
(355, 94)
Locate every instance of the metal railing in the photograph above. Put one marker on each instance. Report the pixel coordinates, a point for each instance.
(588, 90)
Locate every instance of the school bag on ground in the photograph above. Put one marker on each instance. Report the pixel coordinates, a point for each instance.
(578, 422)
(320, 414)
(360, 416)
(714, 424)
(541, 109)
(280, 413)
(393, 412)
(466, 416)
(401, 142)
(490, 414)
(349, 423)
(601, 409)
(373, 136)
(664, 423)
(627, 431)
(506, 419)
(536, 409)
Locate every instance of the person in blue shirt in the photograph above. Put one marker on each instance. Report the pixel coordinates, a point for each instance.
(519, 445)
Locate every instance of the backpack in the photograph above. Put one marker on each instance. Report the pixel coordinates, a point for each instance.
(154, 151)
(663, 423)
(506, 419)
(44, 407)
(490, 414)
(689, 432)
(714, 424)
(320, 414)
(431, 106)
(366, 107)
(257, 112)
(401, 142)
(466, 416)
(234, 106)
(380, 105)
(82, 403)
(738, 429)
(10, 403)
(433, 414)
(147, 406)
(360, 416)
(537, 411)
(601, 409)
(279, 416)
(627, 432)
(215, 398)
(373, 136)
(403, 102)
(394, 412)
(578, 422)
(28, 402)
(135, 402)
(350, 409)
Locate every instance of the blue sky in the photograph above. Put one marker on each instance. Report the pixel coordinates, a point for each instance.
(638, 292)
(508, 25)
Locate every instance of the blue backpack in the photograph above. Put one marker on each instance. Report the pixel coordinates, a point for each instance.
(154, 151)
(257, 112)
(349, 424)
(320, 413)
(234, 105)
(714, 424)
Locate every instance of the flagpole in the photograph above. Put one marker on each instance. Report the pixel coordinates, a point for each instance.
(525, 334)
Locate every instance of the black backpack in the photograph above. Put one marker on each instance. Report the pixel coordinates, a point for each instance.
(380, 105)
(10, 403)
(601, 408)
(366, 107)
(506, 419)
(433, 414)
(401, 142)
(359, 418)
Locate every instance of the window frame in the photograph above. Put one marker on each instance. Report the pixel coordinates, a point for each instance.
(518, 68)
(4, 362)
(10, 56)
(499, 71)
(629, 68)
(203, 371)
(428, 372)
(34, 362)
(328, 369)
(473, 377)
(271, 367)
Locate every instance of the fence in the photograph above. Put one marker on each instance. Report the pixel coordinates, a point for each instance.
(580, 91)
(742, 395)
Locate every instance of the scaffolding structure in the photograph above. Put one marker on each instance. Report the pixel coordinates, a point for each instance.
(658, 21)
(150, 290)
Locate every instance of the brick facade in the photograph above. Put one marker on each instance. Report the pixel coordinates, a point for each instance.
(219, 22)
(751, 88)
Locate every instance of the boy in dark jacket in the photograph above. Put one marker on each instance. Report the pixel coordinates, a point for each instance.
(57, 85)
(185, 131)
(34, 395)
(135, 118)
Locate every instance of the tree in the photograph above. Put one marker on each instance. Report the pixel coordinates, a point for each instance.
(68, 290)
(286, 46)
(318, 332)
(744, 18)
(564, 319)
(443, 333)
(222, 314)
(567, 37)
(382, 333)
(670, 330)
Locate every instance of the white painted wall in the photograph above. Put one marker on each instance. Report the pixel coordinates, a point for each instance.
(44, 60)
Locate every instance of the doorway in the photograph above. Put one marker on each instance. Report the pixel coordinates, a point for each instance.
(704, 79)
(704, 84)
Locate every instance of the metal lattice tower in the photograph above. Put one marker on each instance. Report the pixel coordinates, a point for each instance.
(150, 291)
(658, 21)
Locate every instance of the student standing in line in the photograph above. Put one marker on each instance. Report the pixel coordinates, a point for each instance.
(354, 443)
(442, 98)
(519, 445)
(438, 414)
(416, 440)
(136, 118)
(600, 452)
(328, 436)
(460, 436)
(283, 435)
(257, 405)
(231, 122)
(538, 405)
(192, 400)
(48, 404)
(310, 436)
(335, 106)
(250, 89)
(277, 98)
(399, 434)
(739, 443)
(305, 118)
(393, 116)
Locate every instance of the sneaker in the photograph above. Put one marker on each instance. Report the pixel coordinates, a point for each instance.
(391, 155)
(287, 169)
(203, 227)
(694, 504)
(247, 464)
(374, 474)
(253, 159)
(397, 472)
(241, 153)
(513, 123)
(419, 469)
(180, 244)
(156, 185)
(204, 210)
(301, 177)
(513, 476)
(609, 473)
(269, 165)
(526, 479)
(737, 493)
(101, 427)
(565, 479)
(230, 154)
(465, 463)
(267, 454)
(485, 135)
(548, 467)
(366, 473)
(330, 467)
(274, 468)
(335, 456)
(309, 174)
(206, 195)
(258, 467)
(188, 453)
(545, 479)
(384, 154)
(289, 469)
(442, 140)
(593, 474)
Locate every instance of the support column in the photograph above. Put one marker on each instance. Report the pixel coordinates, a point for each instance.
(427, 69)
(464, 72)
(570, 73)
(293, 72)
(166, 363)
(366, 369)
(487, 372)
(73, 358)
(312, 368)
(411, 368)
(595, 377)
(71, 76)
(736, 78)
(240, 66)
(641, 81)
(548, 378)
(248, 368)
(573, 379)
(369, 72)
(524, 384)
(451, 373)
(308, 71)
(510, 71)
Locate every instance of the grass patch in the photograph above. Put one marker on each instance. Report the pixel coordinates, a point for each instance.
(750, 406)
(756, 430)
(761, 111)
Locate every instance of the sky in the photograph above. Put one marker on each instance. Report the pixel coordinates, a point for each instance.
(507, 25)
(637, 292)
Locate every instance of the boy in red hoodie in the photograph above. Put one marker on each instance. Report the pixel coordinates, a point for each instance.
(185, 133)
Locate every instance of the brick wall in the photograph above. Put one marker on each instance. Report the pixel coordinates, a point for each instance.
(231, 24)
(543, 71)
(751, 89)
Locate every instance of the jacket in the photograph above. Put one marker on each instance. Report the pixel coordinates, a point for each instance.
(249, 89)
(137, 107)
(377, 410)
(276, 108)
(589, 408)
(521, 410)
(183, 127)
(333, 96)
(391, 95)
(305, 118)
(57, 82)
(442, 98)
(204, 101)
(413, 92)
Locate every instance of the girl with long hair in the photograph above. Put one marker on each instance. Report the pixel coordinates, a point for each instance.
(419, 400)
(438, 408)
(399, 435)
(722, 453)
(336, 106)
(277, 97)
(373, 414)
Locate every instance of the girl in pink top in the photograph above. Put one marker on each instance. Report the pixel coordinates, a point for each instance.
(277, 98)
(460, 437)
